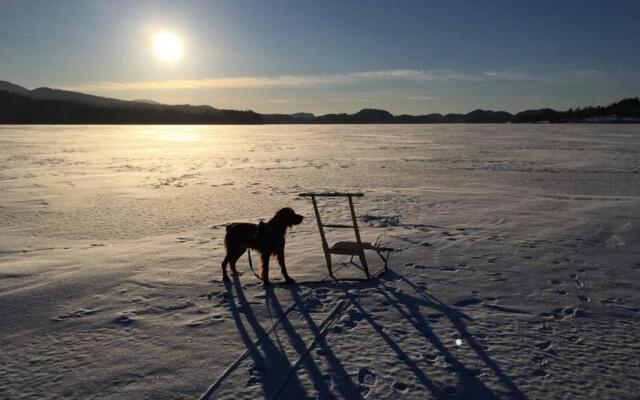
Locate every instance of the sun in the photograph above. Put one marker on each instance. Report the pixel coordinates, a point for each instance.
(167, 46)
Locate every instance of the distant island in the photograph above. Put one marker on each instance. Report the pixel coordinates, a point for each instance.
(19, 105)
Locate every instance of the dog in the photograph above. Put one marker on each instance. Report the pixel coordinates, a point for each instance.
(267, 238)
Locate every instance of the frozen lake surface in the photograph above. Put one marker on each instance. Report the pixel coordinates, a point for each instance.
(519, 275)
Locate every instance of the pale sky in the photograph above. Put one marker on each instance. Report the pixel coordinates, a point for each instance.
(412, 57)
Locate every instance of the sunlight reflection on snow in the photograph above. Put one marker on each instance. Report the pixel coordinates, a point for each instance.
(178, 137)
(173, 135)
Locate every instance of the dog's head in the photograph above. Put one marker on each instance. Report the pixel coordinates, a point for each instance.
(289, 217)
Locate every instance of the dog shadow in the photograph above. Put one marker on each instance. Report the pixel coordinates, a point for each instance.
(271, 365)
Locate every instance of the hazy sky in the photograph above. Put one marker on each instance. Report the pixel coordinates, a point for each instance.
(329, 56)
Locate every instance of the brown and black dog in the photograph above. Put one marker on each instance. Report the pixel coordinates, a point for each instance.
(267, 238)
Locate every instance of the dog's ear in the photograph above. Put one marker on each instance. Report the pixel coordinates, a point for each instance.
(285, 212)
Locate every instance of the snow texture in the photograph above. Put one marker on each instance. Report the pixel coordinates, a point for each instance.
(518, 274)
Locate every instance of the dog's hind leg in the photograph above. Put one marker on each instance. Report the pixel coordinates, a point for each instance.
(234, 259)
(226, 260)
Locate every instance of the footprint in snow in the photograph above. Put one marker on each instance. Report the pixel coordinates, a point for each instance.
(575, 339)
(433, 317)
(418, 266)
(467, 302)
(400, 332)
(540, 373)
(366, 377)
(430, 357)
(540, 360)
(75, 314)
(544, 346)
(313, 305)
(124, 320)
(355, 315)
(568, 312)
(351, 319)
(209, 295)
(321, 293)
(257, 369)
(210, 320)
(421, 288)
(400, 387)
(347, 322)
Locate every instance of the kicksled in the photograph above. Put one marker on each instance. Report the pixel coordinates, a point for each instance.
(355, 249)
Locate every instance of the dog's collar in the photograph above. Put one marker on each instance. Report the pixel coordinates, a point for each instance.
(263, 224)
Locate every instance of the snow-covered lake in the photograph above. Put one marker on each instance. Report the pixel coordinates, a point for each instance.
(519, 273)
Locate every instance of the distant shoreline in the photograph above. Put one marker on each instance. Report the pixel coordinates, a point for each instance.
(45, 106)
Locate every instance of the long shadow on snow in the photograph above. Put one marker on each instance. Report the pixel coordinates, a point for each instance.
(454, 317)
(469, 386)
(271, 365)
(268, 363)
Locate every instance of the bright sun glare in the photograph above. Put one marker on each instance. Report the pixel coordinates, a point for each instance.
(167, 46)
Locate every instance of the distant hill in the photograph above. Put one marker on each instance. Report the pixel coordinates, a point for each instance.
(20, 109)
(13, 88)
(365, 116)
(45, 93)
(541, 115)
(147, 101)
(374, 116)
(19, 105)
(297, 118)
(623, 111)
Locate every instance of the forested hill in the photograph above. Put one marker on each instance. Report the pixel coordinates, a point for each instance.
(19, 109)
(19, 105)
(626, 110)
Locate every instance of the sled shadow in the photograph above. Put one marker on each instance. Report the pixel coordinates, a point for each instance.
(271, 365)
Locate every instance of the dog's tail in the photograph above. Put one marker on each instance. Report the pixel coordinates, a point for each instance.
(226, 237)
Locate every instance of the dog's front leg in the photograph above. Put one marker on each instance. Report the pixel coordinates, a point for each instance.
(264, 269)
(283, 268)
